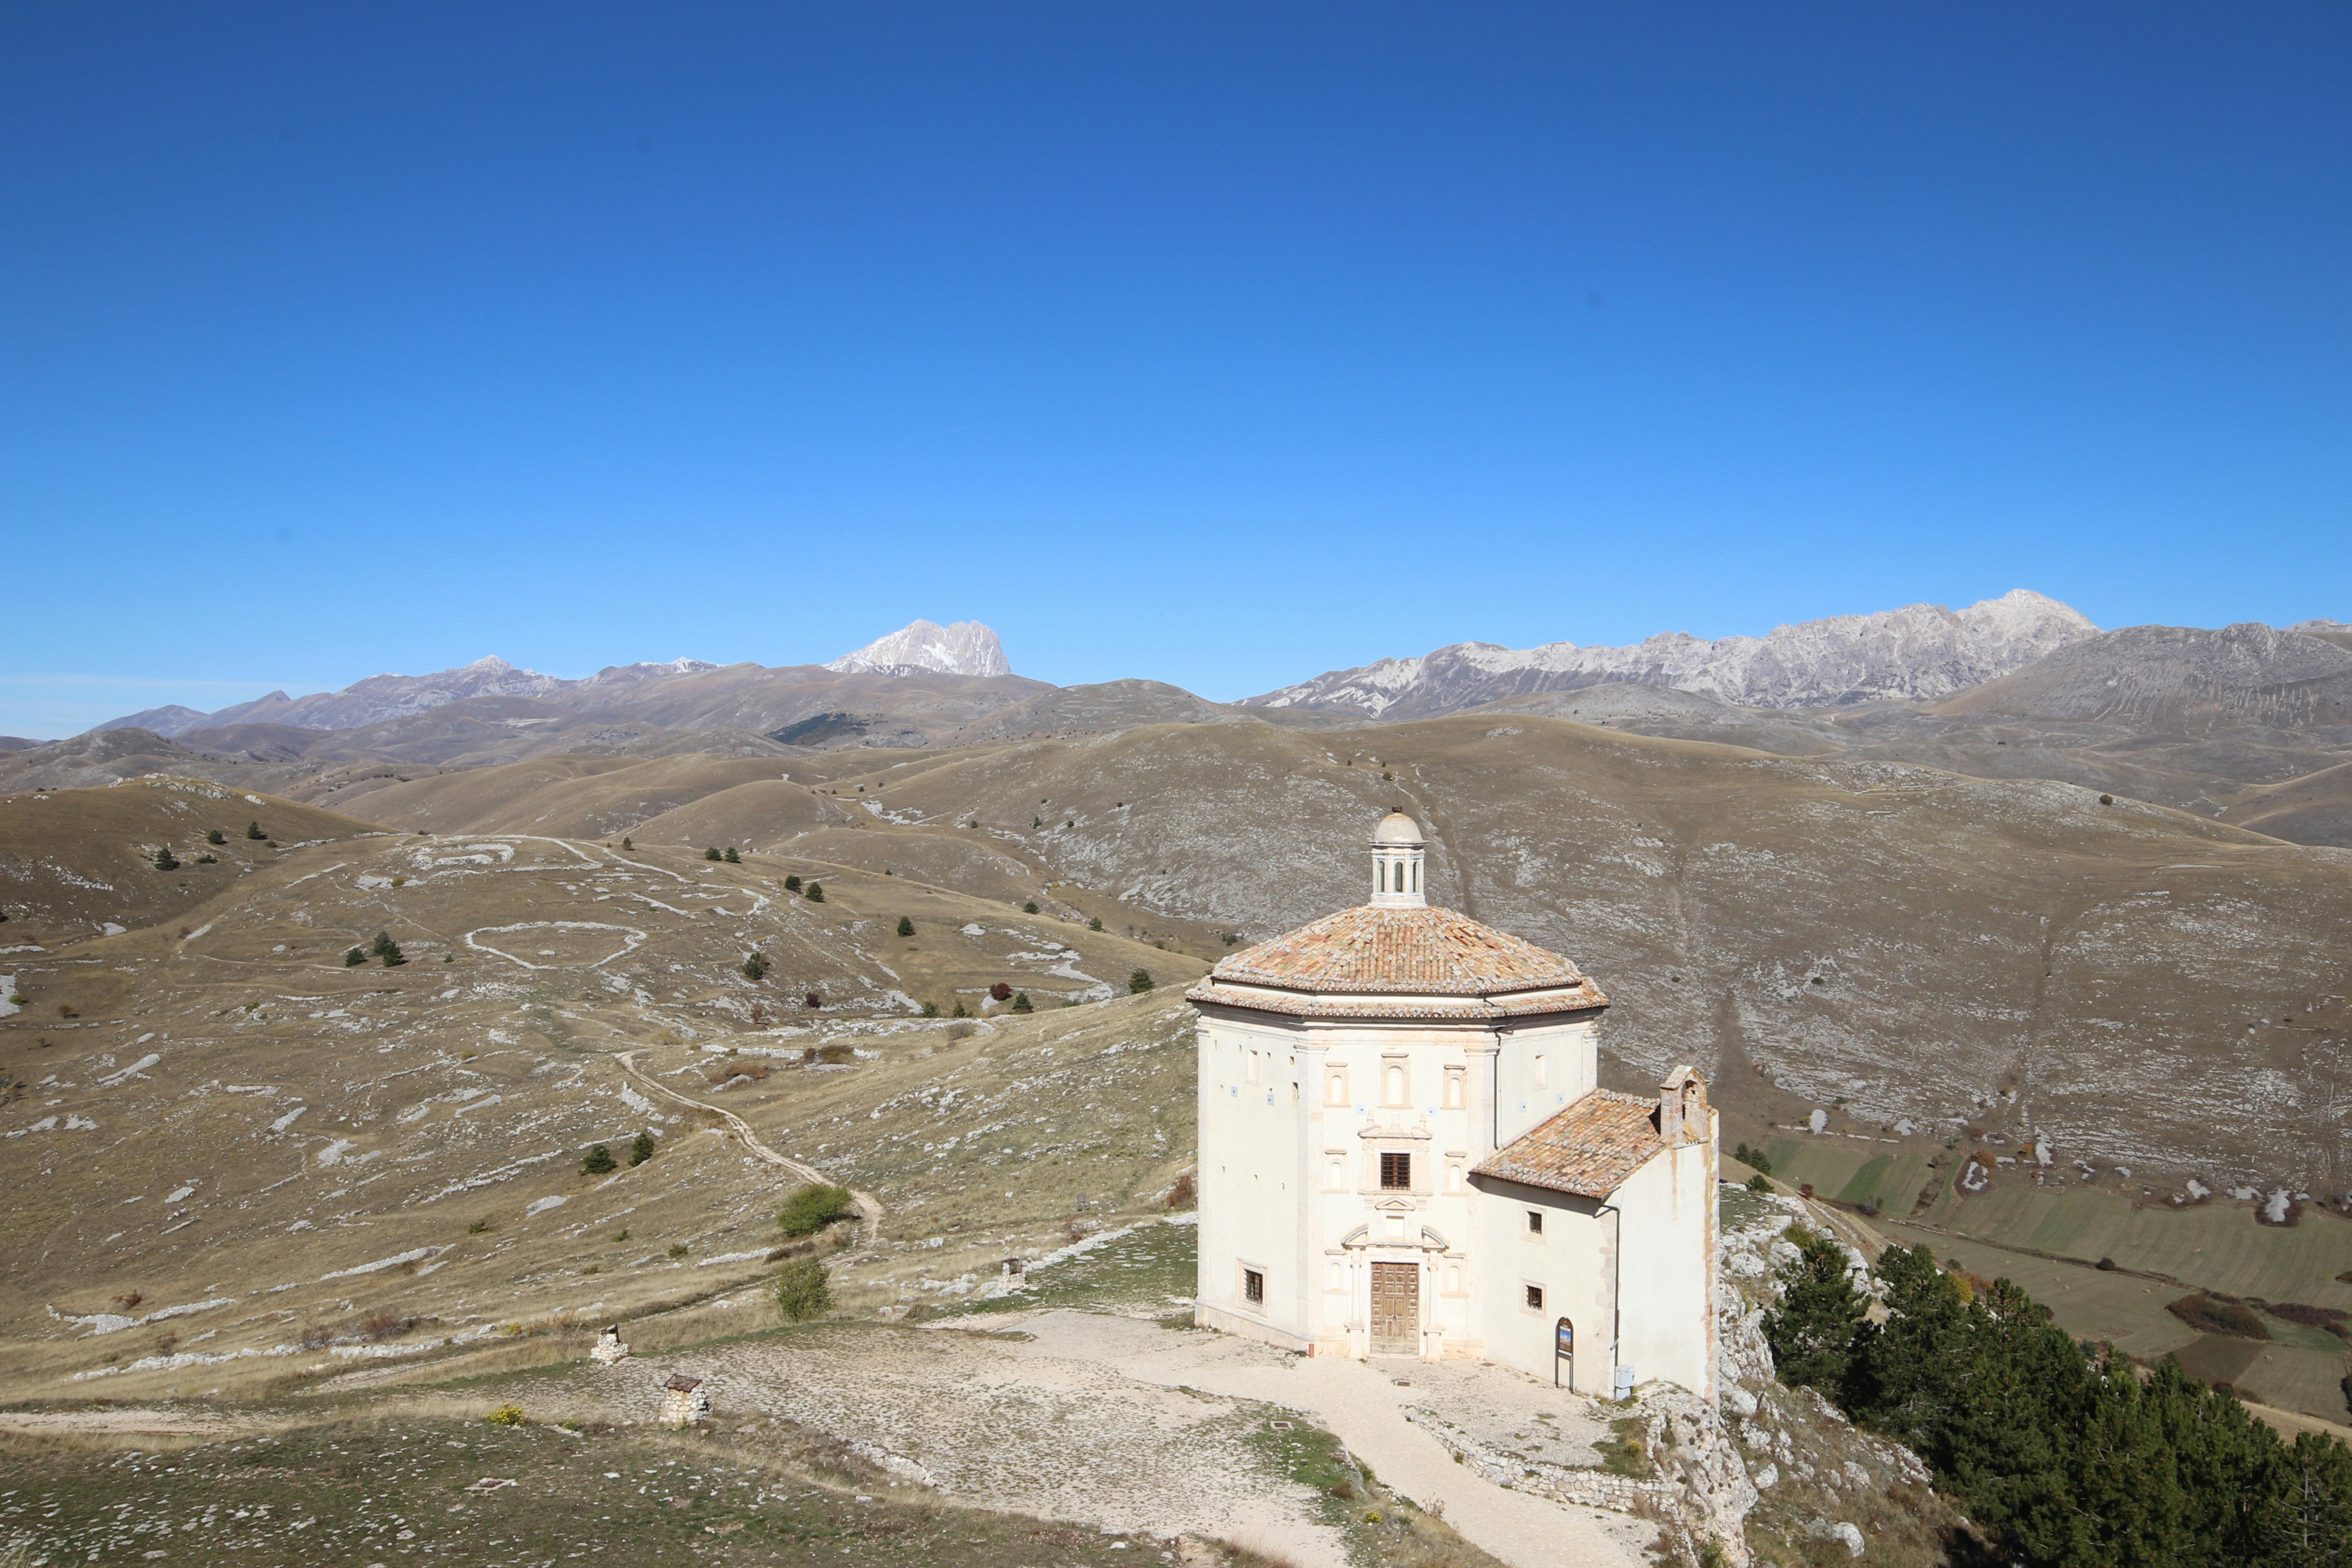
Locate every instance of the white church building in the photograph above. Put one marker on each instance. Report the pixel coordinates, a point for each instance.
(1405, 1152)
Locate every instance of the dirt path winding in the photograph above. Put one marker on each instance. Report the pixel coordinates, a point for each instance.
(869, 1208)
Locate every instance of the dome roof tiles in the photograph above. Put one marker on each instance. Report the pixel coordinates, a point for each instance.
(1422, 952)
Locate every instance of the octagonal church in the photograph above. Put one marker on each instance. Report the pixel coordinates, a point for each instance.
(1405, 1151)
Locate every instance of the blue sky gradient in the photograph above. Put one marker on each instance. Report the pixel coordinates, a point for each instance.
(1218, 344)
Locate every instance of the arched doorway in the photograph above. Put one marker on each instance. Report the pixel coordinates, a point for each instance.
(1563, 1349)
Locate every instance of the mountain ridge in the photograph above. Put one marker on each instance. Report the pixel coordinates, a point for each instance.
(1919, 652)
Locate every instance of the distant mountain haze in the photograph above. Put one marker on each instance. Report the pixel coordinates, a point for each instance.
(1919, 653)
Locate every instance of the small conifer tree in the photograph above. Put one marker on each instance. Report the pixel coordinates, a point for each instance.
(253, 830)
(960, 1012)
(382, 944)
(906, 926)
(164, 860)
(354, 958)
(214, 836)
(930, 1009)
(392, 956)
(712, 853)
(598, 1162)
(754, 967)
(1029, 907)
(1021, 1002)
(733, 858)
(1140, 982)
(629, 842)
(1094, 924)
(816, 892)
(793, 883)
(641, 1147)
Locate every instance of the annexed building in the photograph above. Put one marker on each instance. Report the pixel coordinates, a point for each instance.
(1405, 1151)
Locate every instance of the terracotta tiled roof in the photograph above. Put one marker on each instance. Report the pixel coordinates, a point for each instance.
(1412, 952)
(1588, 1150)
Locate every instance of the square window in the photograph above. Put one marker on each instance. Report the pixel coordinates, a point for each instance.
(1254, 1288)
(1535, 1297)
(1396, 1172)
(1534, 1222)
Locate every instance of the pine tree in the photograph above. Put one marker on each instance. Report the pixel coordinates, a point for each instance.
(253, 830)
(1140, 982)
(1813, 1329)
(1029, 907)
(793, 883)
(354, 958)
(164, 861)
(906, 926)
(1021, 1002)
(710, 854)
(628, 844)
(598, 1162)
(816, 892)
(214, 836)
(392, 956)
(1094, 924)
(733, 858)
(754, 967)
(382, 944)
(641, 1147)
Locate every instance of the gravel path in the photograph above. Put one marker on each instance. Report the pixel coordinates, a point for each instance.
(1362, 1402)
(868, 1205)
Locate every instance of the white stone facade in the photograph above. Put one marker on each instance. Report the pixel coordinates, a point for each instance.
(1342, 1123)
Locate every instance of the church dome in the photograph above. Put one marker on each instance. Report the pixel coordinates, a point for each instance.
(1405, 962)
(1399, 829)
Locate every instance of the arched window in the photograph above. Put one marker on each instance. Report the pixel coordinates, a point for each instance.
(1384, 874)
(1416, 876)
(1396, 1085)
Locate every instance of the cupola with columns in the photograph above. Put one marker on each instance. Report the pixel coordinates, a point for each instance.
(1397, 850)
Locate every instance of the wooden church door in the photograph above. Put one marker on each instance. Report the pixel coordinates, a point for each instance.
(1396, 1308)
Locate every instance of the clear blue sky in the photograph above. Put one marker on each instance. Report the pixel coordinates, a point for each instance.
(1219, 344)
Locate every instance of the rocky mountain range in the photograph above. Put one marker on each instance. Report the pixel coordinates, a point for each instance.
(1919, 653)
(966, 648)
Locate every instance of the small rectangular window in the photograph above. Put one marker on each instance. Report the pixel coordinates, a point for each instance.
(1542, 1077)
(1535, 1297)
(1253, 1067)
(1254, 1288)
(1396, 1172)
(1534, 1222)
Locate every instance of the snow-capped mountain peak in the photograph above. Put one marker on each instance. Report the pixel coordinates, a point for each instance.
(966, 648)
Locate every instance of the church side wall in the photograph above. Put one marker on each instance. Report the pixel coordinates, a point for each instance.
(1538, 1072)
(1253, 1208)
(1572, 1260)
(1668, 1326)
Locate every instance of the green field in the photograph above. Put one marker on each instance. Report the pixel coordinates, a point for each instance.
(2214, 1247)
(2300, 1369)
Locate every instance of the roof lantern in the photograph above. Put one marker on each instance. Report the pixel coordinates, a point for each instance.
(1397, 849)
